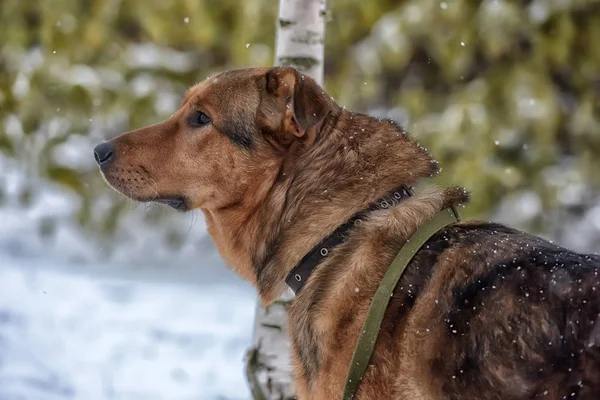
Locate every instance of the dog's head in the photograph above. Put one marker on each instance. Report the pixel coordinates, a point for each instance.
(230, 130)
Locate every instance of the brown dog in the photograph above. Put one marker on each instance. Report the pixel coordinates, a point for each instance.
(482, 312)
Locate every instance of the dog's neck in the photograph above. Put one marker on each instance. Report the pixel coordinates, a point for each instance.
(355, 160)
(302, 272)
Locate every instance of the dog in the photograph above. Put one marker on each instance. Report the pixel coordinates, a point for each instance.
(483, 311)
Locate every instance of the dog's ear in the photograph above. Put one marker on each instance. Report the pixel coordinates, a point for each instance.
(299, 101)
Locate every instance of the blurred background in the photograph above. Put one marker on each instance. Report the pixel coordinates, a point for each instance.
(102, 298)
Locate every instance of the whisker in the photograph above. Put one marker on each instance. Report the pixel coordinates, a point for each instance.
(154, 188)
(192, 223)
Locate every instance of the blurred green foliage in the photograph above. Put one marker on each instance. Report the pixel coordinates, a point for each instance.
(499, 91)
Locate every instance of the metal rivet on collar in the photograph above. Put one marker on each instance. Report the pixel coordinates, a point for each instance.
(324, 251)
(298, 277)
(358, 222)
(397, 195)
(385, 204)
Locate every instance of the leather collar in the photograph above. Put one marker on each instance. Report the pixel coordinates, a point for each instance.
(301, 272)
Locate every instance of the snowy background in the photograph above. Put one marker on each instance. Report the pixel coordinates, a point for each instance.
(64, 335)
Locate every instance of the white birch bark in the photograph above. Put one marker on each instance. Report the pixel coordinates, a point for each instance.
(299, 43)
(301, 36)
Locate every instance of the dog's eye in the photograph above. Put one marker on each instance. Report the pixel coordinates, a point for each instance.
(198, 118)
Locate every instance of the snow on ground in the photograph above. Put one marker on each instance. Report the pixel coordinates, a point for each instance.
(66, 335)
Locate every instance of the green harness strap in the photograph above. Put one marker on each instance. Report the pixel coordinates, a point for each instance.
(370, 331)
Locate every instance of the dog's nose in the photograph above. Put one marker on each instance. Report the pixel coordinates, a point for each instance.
(103, 153)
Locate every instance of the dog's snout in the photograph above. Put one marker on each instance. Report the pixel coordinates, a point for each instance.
(104, 153)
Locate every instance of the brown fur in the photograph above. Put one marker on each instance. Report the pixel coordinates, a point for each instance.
(483, 311)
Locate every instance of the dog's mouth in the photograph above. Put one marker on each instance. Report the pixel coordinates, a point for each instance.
(121, 185)
(178, 203)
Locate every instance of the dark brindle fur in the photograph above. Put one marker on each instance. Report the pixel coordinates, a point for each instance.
(482, 312)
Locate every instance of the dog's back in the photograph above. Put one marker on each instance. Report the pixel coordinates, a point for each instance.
(506, 315)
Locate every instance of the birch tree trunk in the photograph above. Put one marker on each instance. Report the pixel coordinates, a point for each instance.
(299, 43)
